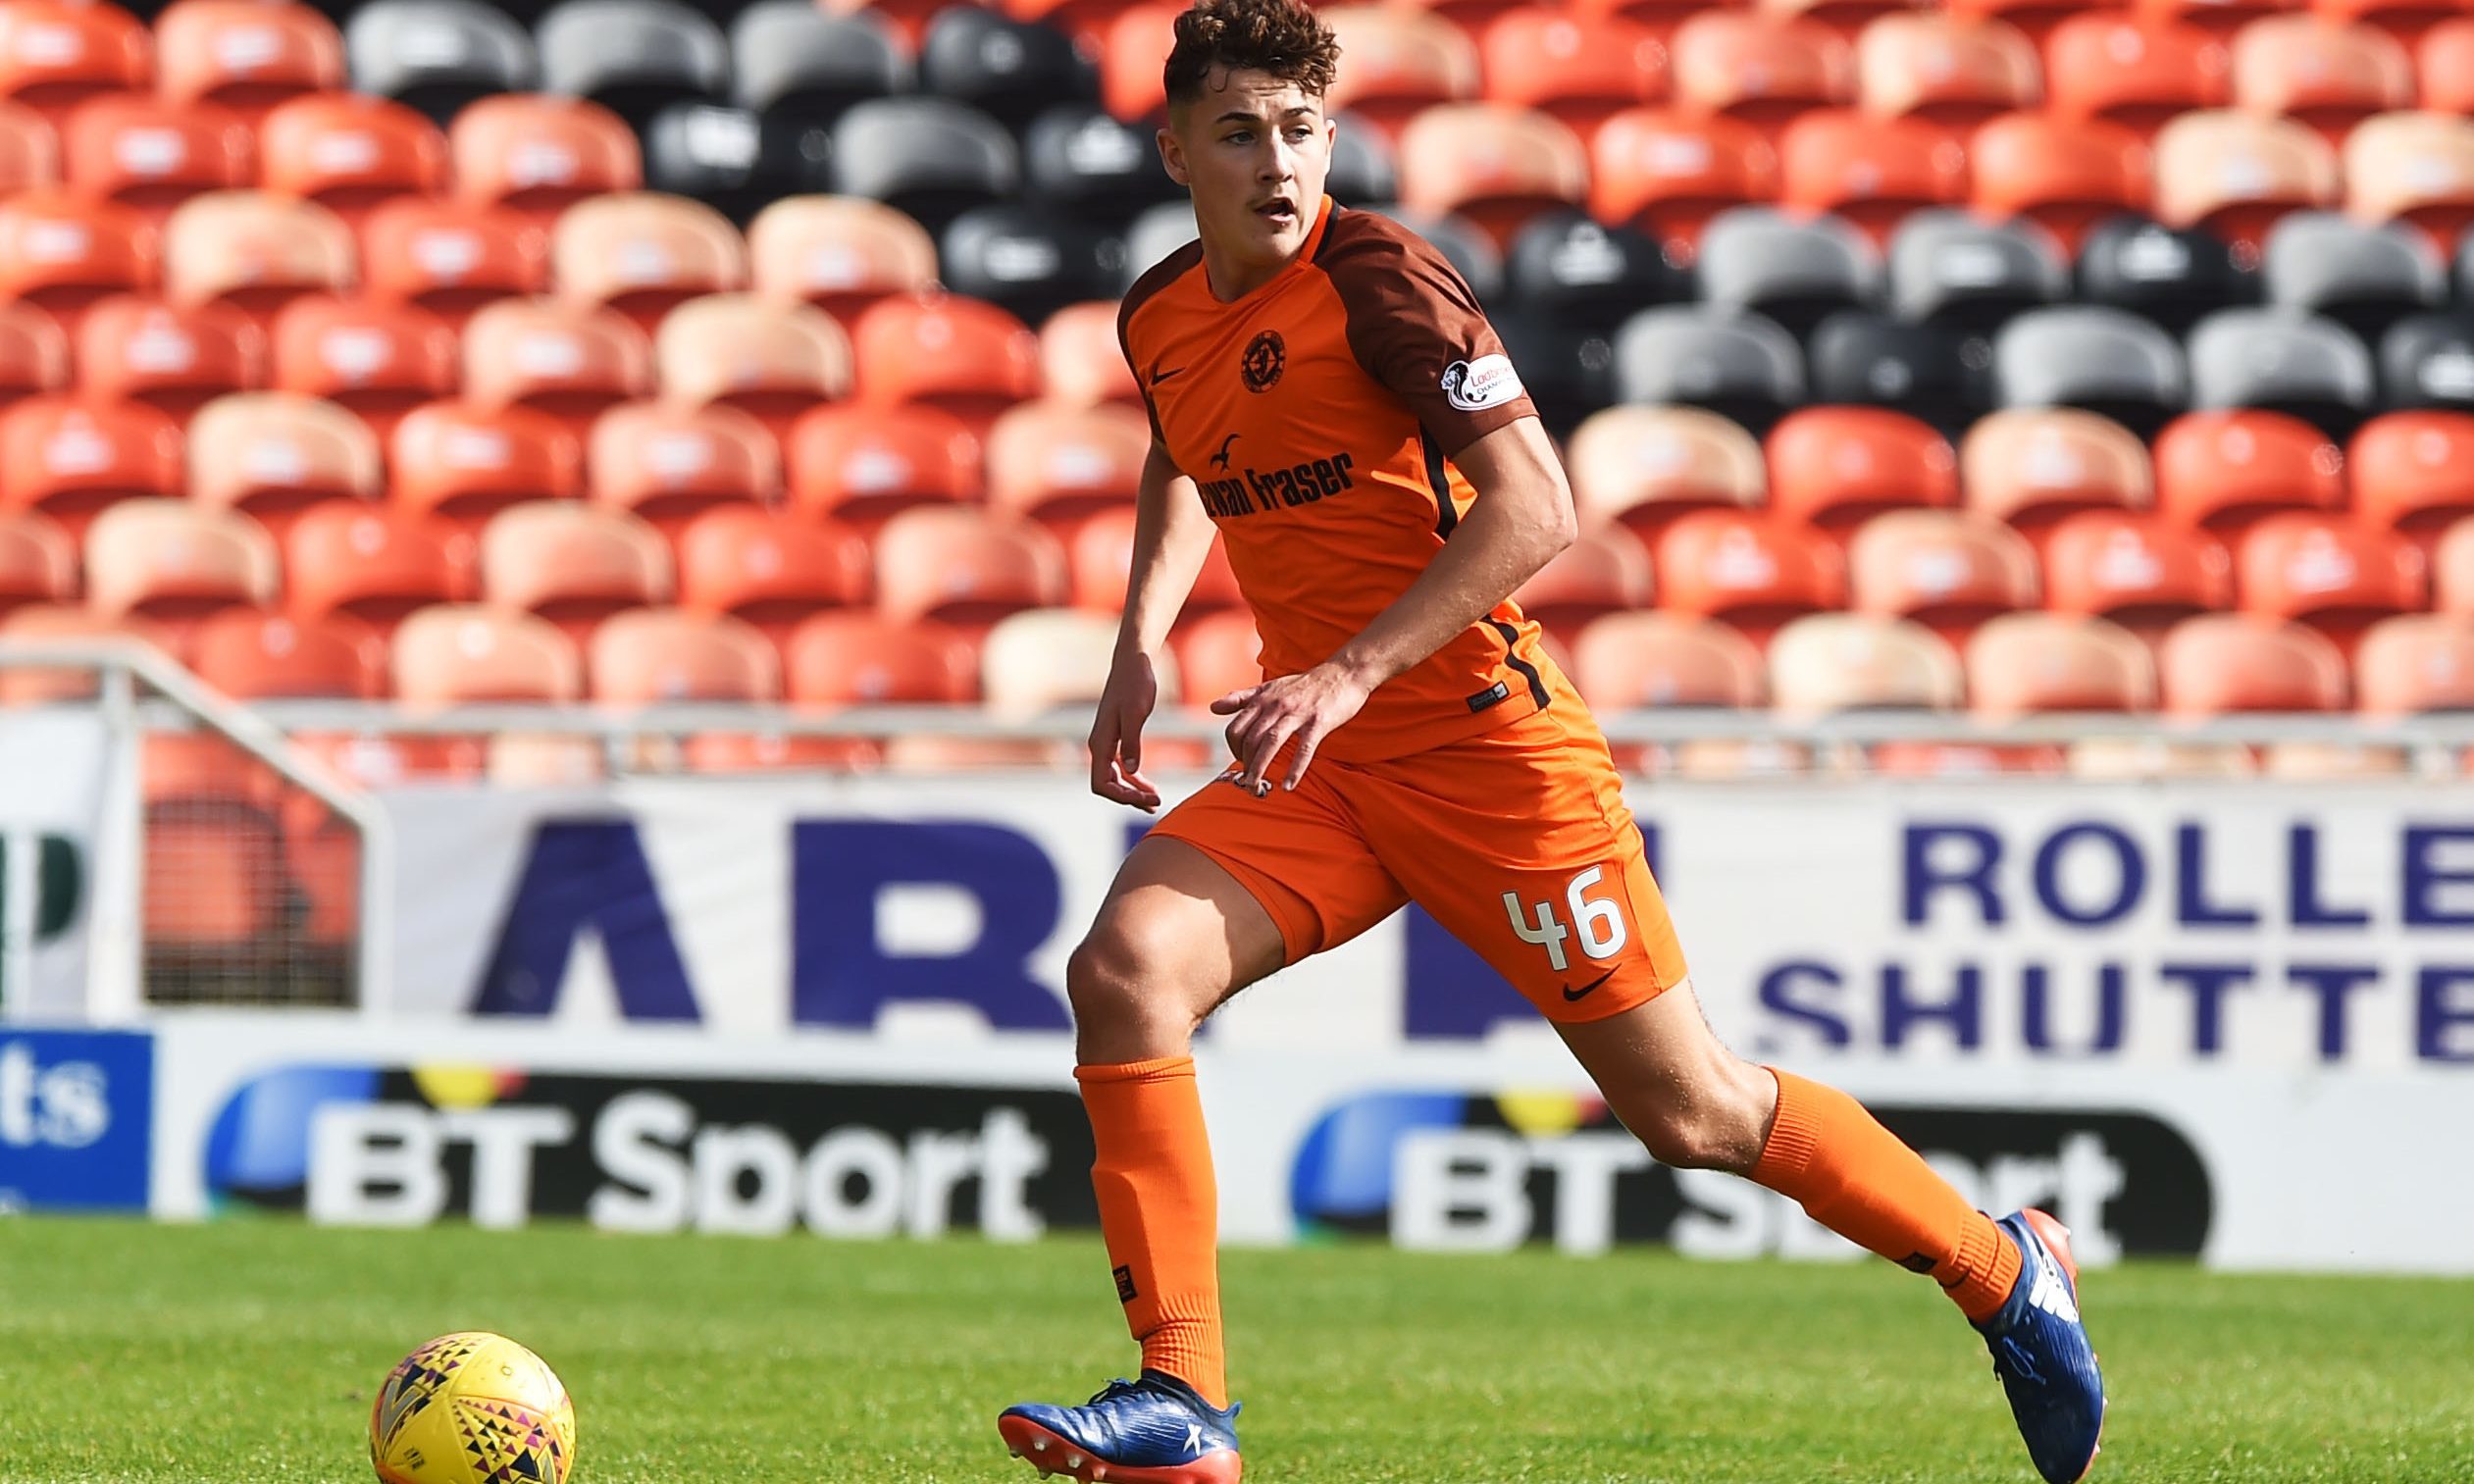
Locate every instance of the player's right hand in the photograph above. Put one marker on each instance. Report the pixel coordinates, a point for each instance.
(1117, 733)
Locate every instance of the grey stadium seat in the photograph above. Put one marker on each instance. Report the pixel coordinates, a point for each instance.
(633, 57)
(1738, 364)
(1076, 156)
(735, 161)
(791, 59)
(1033, 260)
(2285, 362)
(929, 157)
(2427, 360)
(1948, 268)
(2102, 360)
(2364, 278)
(1796, 271)
(437, 55)
(1361, 167)
(1156, 233)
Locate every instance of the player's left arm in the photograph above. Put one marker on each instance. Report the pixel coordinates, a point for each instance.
(1522, 518)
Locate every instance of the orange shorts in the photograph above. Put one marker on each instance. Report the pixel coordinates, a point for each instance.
(1517, 842)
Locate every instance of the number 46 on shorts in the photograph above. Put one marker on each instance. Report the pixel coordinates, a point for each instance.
(1597, 921)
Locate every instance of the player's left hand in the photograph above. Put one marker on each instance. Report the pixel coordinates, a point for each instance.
(1306, 706)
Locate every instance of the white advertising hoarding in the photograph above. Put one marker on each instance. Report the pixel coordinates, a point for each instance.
(53, 765)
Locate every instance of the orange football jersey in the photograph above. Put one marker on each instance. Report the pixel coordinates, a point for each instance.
(1317, 415)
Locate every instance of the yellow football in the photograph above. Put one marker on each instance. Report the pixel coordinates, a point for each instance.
(473, 1408)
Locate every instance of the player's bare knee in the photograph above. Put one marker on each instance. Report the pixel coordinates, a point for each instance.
(1134, 969)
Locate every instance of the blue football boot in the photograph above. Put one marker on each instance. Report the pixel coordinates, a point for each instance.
(2041, 1353)
(1157, 1430)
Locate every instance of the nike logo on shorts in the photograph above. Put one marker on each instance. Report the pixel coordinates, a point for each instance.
(1570, 994)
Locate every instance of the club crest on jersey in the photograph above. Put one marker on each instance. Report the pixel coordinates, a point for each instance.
(1266, 356)
(1475, 386)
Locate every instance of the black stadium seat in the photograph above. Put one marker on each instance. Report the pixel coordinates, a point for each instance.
(1075, 156)
(790, 60)
(735, 161)
(1567, 268)
(2171, 277)
(2310, 367)
(930, 157)
(1739, 366)
(1361, 167)
(1009, 70)
(2364, 278)
(1794, 271)
(2102, 360)
(437, 55)
(1568, 370)
(2427, 360)
(1949, 268)
(633, 57)
(1033, 260)
(1930, 372)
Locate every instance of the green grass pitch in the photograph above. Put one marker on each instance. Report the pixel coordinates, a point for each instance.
(248, 1351)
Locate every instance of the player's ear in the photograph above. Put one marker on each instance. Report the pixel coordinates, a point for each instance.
(1172, 156)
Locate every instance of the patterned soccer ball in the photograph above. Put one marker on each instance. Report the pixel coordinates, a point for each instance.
(473, 1408)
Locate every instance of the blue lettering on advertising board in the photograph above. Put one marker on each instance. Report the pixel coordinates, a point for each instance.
(587, 874)
(76, 1119)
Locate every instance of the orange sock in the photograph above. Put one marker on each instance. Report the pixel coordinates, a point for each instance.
(1854, 1176)
(1159, 1213)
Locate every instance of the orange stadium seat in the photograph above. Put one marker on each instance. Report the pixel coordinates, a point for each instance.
(272, 454)
(350, 153)
(55, 54)
(174, 563)
(2064, 176)
(1756, 69)
(1086, 20)
(643, 253)
(70, 459)
(253, 656)
(2325, 571)
(1606, 571)
(2221, 18)
(1826, 662)
(2034, 467)
(1629, 661)
(537, 155)
(463, 654)
(2222, 470)
(1080, 363)
(254, 251)
(34, 353)
(1055, 464)
(847, 658)
(1044, 658)
(2236, 173)
(1399, 62)
(2113, 66)
(29, 149)
(152, 154)
(669, 463)
(450, 258)
(659, 655)
(1848, 18)
(1949, 570)
(907, 20)
(1133, 48)
(566, 360)
(2413, 472)
(38, 562)
(573, 564)
(378, 359)
(2022, 663)
(839, 253)
(47, 623)
(2327, 76)
(1749, 570)
(1216, 654)
(466, 463)
(2408, 21)
(1871, 172)
(970, 358)
(1945, 70)
(771, 569)
(380, 761)
(1494, 165)
(60, 253)
(1646, 466)
(2035, 19)
(2140, 569)
(2452, 569)
(1101, 558)
(770, 360)
(960, 567)
(2413, 167)
(2444, 67)
(1474, 17)
(1669, 171)
(2415, 663)
(1836, 467)
(373, 564)
(245, 55)
(862, 464)
(143, 351)
(2231, 662)
(1575, 68)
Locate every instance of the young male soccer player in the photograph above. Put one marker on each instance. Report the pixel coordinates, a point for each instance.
(1326, 394)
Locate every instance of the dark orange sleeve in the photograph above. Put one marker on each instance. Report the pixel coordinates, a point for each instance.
(1416, 328)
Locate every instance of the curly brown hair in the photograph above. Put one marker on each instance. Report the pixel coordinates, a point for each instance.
(1277, 36)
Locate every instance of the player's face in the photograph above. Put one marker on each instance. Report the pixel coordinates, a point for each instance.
(1254, 150)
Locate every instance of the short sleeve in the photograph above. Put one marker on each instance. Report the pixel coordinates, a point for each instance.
(1416, 328)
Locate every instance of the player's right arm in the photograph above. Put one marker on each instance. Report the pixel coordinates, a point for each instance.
(1172, 536)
